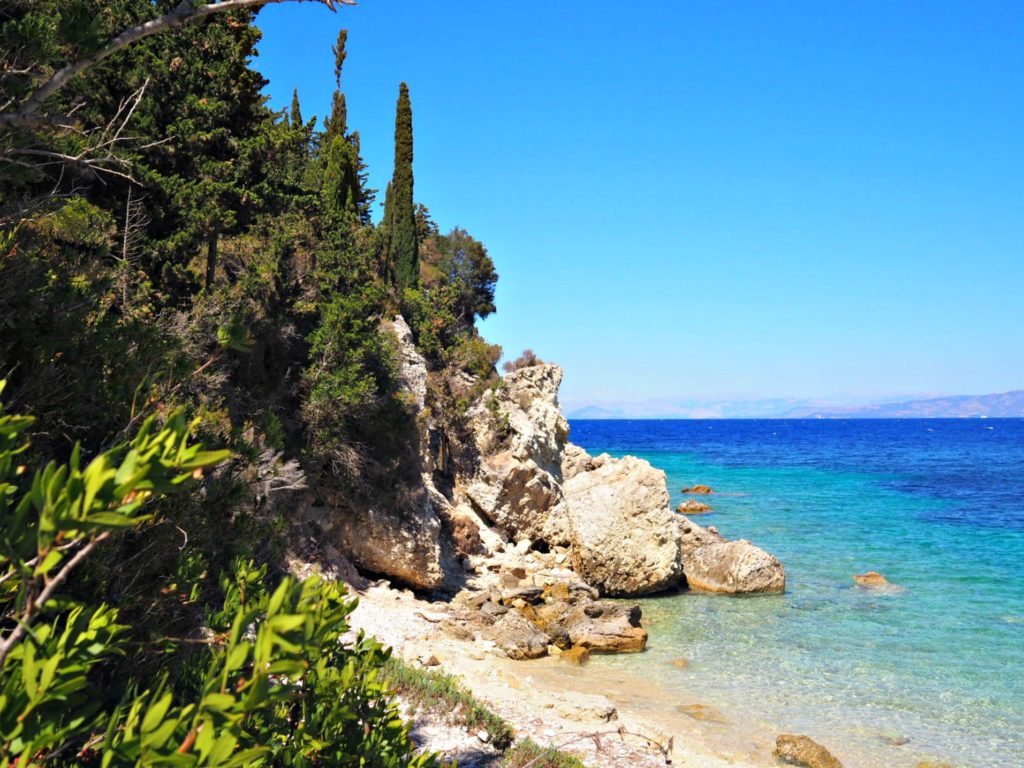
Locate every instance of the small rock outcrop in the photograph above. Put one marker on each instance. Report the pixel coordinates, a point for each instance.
(412, 367)
(527, 622)
(624, 537)
(803, 751)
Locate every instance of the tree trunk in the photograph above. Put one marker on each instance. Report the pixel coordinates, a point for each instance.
(211, 259)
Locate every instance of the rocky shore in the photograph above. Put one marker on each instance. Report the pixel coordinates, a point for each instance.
(516, 540)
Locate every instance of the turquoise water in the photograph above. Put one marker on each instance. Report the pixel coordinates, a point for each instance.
(936, 506)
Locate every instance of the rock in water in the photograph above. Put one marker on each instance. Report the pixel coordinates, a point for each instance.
(692, 536)
(625, 539)
(693, 507)
(603, 627)
(698, 489)
(800, 750)
(733, 567)
(871, 579)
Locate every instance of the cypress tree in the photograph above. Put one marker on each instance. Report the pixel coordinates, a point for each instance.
(341, 183)
(296, 112)
(337, 124)
(403, 251)
(387, 270)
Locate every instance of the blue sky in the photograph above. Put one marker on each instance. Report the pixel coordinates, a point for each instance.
(706, 199)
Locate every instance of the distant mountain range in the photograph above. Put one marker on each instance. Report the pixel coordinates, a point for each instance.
(1002, 405)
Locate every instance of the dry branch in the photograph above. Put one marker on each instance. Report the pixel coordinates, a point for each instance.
(25, 116)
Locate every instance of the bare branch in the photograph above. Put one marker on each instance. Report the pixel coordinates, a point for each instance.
(36, 605)
(186, 11)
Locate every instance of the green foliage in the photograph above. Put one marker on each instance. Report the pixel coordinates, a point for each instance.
(499, 417)
(528, 753)
(458, 260)
(276, 684)
(433, 320)
(236, 277)
(341, 181)
(476, 357)
(442, 694)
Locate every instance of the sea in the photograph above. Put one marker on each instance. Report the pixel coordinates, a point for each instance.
(932, 669)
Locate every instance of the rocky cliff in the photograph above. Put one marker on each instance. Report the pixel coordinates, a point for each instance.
(510, 485)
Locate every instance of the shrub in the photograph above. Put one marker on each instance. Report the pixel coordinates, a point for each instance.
(475, 356)
(529, 754)
(527, 359)
(441, 694)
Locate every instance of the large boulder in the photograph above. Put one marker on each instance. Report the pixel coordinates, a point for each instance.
(733, 567)
(625, 539)
(401, 543)
(605, 627)
(513, 478)
(692, 536)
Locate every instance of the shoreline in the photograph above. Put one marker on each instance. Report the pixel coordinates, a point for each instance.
(553, 702)
(561, 705)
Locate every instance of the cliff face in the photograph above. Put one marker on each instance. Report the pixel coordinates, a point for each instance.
(513, 483)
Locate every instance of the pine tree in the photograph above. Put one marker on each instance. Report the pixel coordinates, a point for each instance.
(403, 251)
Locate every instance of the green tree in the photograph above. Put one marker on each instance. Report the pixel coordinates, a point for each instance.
(296, 111)
(459, 260)
(403, 249)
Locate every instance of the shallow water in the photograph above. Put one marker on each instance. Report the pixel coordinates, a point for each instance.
(935, 505)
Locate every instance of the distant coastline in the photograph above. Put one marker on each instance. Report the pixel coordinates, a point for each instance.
(992, 406)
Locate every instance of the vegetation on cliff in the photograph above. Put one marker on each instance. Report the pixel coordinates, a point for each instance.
(177, 259)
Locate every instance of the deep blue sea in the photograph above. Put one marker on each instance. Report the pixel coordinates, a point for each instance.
(932, 671)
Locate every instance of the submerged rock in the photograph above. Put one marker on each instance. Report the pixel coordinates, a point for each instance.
(578, 655)
(803, 751)
(625, 540)
(733, 567)
(871, 579)
(703, 713)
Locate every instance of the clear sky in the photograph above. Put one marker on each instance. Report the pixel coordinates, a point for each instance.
(710, 199)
